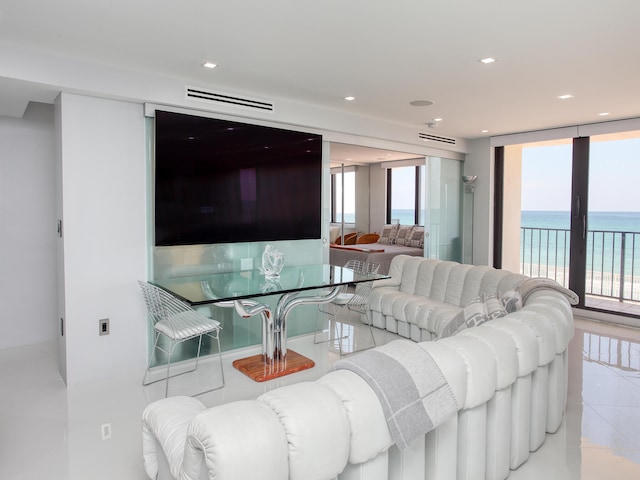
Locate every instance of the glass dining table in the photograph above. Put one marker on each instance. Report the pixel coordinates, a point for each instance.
(241, 290)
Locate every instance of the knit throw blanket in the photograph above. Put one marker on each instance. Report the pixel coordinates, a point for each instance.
(531, 285)
(412, 390)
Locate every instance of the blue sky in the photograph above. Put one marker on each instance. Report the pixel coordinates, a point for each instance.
(613, 184)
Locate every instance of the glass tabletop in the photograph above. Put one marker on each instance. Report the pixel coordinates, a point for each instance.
(221, 287)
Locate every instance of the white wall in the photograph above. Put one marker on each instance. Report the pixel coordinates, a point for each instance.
(104, 184)
(103, 180)
(512, 208)
(27, 228)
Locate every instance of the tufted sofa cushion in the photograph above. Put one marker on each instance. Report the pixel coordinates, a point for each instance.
(168, 422)
(369, 433)
(316, 427)
(225, 445)
(427, 293)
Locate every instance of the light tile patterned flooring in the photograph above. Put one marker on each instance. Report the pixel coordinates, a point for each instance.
(93, 431)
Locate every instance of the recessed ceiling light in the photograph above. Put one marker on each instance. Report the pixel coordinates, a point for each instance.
(209, 65)
(603, 114)
(564, 97)
(437, 119)
(484, 131)
(421, 103)
(487, 60)
(349, 99)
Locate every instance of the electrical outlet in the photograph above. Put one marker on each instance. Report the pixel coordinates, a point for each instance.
(105, 430)
(104, 326)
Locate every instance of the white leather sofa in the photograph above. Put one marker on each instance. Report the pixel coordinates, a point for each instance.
(423, 294)
(508, 376)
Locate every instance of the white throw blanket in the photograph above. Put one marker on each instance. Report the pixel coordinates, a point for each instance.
(530, 285)
(412, 390)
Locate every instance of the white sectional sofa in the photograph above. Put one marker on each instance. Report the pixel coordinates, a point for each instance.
(424, 294)
(507, 377)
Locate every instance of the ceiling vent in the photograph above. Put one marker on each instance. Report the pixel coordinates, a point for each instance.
(436, 138)
(219, 98)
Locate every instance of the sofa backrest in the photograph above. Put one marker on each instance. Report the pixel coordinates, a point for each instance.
(450, 282)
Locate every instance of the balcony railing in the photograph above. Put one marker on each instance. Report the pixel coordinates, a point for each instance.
(613, 260)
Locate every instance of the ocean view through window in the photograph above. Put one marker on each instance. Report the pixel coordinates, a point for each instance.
(571, 212)
(406, 195)
(613, 251)
(348, 210)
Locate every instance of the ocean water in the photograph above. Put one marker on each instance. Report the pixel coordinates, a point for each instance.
(405, 217)
(349, 217)
(597, 221)
(613, 249)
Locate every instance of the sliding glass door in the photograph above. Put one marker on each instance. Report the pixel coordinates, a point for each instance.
(613, 228)
(570, 211)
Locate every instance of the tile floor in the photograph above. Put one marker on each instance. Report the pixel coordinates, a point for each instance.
(93, 431)
(611, 305)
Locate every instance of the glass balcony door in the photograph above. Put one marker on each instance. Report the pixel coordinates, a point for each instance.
(570, 211)
(613, 223)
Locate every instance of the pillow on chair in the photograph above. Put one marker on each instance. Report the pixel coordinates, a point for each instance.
(368, 238)
(350, 238)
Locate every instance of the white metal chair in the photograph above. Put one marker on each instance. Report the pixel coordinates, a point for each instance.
(352, 299)
(178, 322)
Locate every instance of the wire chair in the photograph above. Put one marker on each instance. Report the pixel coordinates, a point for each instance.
(178, 322)
(352, 299)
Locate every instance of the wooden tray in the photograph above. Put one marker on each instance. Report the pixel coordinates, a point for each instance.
(257, 369)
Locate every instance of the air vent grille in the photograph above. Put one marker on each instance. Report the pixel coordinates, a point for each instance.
(436, 138)
(219, 98)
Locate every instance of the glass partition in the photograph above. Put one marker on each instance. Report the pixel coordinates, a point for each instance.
(444, 197)
(182, 261)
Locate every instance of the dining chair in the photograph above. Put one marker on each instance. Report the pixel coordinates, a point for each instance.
(178, 322)
(349, 239)
(368, 238)
(350, 299)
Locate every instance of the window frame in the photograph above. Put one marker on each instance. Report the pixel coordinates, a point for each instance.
(417, 185)
(335, 200)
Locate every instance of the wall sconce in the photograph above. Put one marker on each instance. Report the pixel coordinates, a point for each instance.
(467, 218)
(469, 183)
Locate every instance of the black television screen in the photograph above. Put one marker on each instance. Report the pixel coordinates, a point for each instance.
(218, 181)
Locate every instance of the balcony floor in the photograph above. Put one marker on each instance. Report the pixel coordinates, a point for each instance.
(612, 305)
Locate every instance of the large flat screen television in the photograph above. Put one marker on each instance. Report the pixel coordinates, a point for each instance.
(219, 181)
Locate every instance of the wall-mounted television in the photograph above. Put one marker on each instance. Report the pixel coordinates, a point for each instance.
(220, 181)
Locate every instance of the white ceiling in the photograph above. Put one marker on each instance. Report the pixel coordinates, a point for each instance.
(384, 53)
